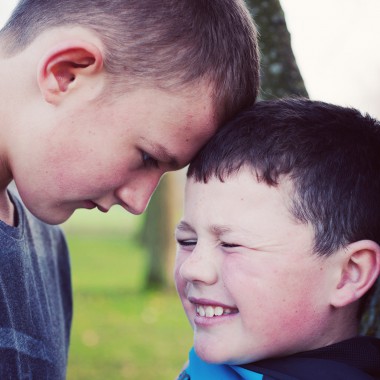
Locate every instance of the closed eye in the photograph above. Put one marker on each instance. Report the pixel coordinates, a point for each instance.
(228, 245)
(148, 160)
(186, 243)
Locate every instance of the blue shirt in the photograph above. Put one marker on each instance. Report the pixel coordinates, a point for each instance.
(200, 370)
(357, 358)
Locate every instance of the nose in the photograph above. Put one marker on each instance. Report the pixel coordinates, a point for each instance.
(199, 267)
(135, 195)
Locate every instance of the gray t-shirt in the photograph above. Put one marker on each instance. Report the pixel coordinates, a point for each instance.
(35, 299)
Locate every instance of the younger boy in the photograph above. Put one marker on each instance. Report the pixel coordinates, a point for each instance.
(98, 100)
(279, 244)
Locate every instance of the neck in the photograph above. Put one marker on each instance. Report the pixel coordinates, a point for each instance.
(7, 209)
(9, 109)
(345, 324)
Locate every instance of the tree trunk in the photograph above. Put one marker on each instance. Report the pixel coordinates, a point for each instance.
(280, 75)
(158, 233)
(370, 322)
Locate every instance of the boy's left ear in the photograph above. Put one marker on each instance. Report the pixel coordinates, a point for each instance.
(65, 65)
(360, 267)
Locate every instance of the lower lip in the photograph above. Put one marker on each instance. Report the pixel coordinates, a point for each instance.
(89, 204)
(212, 321)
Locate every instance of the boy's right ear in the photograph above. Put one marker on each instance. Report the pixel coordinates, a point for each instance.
(65, 66)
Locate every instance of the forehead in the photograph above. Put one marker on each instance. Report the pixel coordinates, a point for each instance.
(246, 212)
(174, 124)
(240, 199)
(240, 186)
(186, 108)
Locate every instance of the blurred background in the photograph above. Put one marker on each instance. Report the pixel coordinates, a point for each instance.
(128, 322)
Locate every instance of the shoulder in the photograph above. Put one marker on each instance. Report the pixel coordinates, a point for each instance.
(353, 359)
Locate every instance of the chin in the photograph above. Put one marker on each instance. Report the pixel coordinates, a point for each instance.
(52, 217)
(210, 355)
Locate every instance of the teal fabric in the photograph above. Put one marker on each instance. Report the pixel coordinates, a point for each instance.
(353, 359)
(200, 370)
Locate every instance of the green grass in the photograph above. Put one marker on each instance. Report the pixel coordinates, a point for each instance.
(119, 330)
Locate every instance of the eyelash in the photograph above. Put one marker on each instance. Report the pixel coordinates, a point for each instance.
(189, 243)
(148, 160)
(227, 245)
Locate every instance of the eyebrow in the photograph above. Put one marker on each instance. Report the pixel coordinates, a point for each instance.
(215, 229)
(162, 154)
(166, 156)
(220, 230)
(184, 226)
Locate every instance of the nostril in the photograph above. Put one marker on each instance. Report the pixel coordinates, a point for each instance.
(134, 195)
(132, 210)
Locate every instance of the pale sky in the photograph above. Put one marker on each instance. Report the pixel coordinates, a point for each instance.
(336, 43)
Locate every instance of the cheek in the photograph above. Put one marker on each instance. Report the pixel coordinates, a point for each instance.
(84, 173)
(241, 275)
(178, 279)
(87, 155)
(281, 306)
(182, 289)
(259, 287)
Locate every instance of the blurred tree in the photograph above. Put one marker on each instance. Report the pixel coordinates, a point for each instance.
(280, 75)
(370, 322)
(158, 232)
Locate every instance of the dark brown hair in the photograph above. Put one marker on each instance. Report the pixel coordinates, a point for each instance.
(330, 153)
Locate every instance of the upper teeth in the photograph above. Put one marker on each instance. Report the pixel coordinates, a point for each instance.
(211, 311)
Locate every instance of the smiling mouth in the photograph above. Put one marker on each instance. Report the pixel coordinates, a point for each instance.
(209, 311)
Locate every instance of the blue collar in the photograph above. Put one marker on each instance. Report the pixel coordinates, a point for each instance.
(200, 370)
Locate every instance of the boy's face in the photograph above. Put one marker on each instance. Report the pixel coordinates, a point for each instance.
(246, 275)
(93, 155)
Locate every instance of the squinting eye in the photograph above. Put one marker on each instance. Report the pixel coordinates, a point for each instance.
(148, 160)
(227, 245)
(186, 243)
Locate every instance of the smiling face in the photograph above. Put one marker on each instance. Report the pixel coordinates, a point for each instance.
(246, 275)
(97, 156)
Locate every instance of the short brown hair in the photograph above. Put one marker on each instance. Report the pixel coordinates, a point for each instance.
(169, 43)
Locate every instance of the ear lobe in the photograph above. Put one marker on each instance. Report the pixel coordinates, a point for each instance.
(64, 65)
(360, 269)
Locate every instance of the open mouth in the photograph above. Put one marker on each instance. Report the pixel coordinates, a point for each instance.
(209, 311)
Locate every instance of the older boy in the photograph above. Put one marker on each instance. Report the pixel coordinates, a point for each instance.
(279, 244)
(98, 99)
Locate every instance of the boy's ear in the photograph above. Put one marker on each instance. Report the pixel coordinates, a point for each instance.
(360, 267)
(63, 67)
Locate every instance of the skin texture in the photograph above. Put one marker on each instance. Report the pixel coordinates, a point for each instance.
(239, 247)
(98, 156)
(68, 143)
